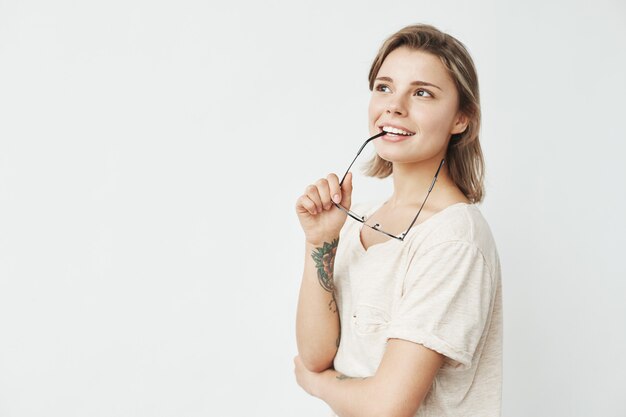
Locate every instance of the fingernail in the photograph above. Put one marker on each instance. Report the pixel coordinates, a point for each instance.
(336, 198)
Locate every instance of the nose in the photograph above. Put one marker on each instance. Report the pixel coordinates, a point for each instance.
(396, 106)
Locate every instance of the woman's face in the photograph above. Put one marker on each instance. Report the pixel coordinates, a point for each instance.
(400, 98)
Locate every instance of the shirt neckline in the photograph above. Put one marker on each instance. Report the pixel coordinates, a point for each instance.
(413, 229)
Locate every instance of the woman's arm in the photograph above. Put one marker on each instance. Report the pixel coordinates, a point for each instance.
(403, 379)
(317, 320)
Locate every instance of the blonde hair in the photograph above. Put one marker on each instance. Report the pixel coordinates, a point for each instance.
(464, 156)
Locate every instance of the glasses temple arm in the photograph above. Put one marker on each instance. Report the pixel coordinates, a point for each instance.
(424, 202)
(359, 153)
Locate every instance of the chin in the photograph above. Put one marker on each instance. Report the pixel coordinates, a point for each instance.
(396, 153)
(400, 159)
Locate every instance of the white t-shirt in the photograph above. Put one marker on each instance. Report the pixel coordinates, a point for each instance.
(440, 287)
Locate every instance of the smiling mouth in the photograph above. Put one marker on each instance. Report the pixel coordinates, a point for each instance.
(395, 131)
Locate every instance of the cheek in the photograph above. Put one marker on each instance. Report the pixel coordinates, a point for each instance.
(372, 113)
(433, 119)
(376, 107)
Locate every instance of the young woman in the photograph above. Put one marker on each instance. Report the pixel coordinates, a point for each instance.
(409, 325)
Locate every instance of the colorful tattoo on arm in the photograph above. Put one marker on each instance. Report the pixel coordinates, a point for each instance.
(324, 258)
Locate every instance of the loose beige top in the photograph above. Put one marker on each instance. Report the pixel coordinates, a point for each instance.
(441, 288)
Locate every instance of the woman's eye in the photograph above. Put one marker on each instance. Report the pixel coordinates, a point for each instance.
(423, 91)
(382, 87)
(420, 92)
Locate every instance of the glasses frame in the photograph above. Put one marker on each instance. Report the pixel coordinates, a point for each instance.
(376, 226)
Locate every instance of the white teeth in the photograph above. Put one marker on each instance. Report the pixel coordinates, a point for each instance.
(396, 131)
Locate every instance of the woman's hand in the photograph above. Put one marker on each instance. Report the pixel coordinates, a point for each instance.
(319, 218)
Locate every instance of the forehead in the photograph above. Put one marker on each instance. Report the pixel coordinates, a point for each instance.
(405, 65)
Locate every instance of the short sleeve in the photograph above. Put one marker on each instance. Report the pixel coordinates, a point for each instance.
(446, 300)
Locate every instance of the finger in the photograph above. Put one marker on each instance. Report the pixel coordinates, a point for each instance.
(313, 194)
(324, 191)
(346, 189)
(305, 204)
(335, 188)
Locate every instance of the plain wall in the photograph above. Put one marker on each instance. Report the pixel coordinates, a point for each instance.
(151, 154)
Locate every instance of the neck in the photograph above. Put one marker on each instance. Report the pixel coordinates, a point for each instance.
(412, 181)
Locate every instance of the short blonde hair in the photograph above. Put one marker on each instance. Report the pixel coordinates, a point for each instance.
(464, 156)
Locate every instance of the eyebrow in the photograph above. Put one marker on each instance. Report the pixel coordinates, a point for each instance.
(418, 82)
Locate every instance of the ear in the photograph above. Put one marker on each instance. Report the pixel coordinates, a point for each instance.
(461, 123)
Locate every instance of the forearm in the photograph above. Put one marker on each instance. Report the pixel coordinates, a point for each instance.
(317, 319)
(347, 396)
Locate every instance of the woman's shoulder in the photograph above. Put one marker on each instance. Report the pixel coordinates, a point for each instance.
(459, 222)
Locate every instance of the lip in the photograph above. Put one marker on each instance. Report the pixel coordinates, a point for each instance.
(380, 128)
(392, 137)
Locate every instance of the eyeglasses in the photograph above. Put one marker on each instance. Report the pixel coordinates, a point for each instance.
(376, 226)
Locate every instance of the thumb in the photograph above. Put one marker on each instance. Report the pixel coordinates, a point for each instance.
(346, 191)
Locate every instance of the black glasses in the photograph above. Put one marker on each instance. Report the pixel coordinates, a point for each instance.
(376, 226)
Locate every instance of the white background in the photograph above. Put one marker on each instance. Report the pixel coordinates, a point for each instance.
(151, 154)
